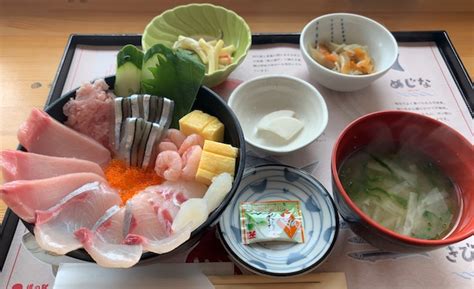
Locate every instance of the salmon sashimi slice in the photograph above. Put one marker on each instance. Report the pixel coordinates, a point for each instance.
(42, 134)
(25, 197)
(104, 242)
(151, 217)
(55, 227)
(18, 165)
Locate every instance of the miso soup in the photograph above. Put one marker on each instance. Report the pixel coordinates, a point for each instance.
(402, 190)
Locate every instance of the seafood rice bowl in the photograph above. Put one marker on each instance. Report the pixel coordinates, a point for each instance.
(121, 175)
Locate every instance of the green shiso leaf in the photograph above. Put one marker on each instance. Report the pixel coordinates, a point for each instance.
(174, 74)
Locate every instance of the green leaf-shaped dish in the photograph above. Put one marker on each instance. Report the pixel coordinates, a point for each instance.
(201, 20)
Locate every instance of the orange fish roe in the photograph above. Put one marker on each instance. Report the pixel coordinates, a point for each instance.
(129, 180)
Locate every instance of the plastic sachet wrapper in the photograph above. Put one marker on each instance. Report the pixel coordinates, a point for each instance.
(271, 221)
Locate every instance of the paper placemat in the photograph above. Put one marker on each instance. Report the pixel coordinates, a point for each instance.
(419, 82)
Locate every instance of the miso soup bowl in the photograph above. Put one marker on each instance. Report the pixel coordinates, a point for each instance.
(453, 154)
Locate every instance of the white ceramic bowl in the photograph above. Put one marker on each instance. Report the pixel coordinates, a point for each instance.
(257, 97)
(349, 29)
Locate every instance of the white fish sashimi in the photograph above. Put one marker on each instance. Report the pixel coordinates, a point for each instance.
(104, 242)
(151, 218)
(18, 165)
(26, 197)
(160, 246)
(219, 188)
(55, 227)
(180, 191)
(107, 254)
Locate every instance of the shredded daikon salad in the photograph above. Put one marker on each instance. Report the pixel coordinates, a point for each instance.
(214, 54)
(353, 59)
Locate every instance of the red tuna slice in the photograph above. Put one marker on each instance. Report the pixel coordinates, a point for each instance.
(44, 135)
(18, 165)
(91, 112)
(151, 218)
(26, 197)
(55, 227)
(104, 242)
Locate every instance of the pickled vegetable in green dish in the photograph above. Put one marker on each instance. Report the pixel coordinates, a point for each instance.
(402, 190)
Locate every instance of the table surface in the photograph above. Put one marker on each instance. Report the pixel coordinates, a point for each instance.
(33, 35)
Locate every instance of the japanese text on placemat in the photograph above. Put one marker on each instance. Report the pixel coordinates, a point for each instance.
(267, 62)
(433, 108)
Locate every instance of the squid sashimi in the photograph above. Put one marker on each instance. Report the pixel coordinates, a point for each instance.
(151, 220)
(42, 134)
(104, 242)
(55, 227)
(25, 197)
(219, 188)
(18, 165)
(192, 213)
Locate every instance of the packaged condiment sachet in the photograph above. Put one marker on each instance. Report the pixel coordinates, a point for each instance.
(280, 220)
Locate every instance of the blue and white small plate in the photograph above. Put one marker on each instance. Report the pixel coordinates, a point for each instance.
(321, 223)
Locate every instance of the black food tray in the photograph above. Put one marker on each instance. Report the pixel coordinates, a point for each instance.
(441, 38)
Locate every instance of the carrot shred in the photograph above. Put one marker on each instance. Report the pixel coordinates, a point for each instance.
(331, 57)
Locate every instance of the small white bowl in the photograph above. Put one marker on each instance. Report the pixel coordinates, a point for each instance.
(349, 29)
(260, 96)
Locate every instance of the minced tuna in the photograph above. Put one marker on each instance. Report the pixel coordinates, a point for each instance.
(92, 112)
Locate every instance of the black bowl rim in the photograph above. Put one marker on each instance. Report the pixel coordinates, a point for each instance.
(81, 254)
(302, 271)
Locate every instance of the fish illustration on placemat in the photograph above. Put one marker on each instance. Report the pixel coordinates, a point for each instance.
(356, 240)
(465, 275)
(396, 65)
(378, 255)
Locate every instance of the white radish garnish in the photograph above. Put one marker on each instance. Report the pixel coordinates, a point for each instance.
(284, 127)
(264, 123)
(217, 191)
(192, 211)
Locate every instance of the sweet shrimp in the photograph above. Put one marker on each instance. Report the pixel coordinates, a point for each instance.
(176, 136)
(169, 165)
(191, 140)
(191, 158)
(167, 145)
